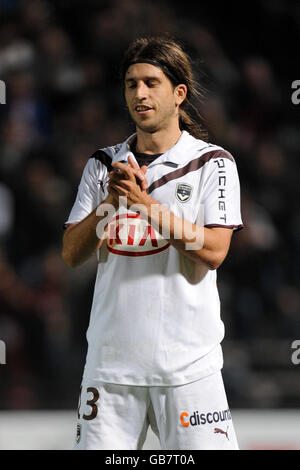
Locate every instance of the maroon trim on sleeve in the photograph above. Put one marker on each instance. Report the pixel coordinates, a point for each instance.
(236, 227)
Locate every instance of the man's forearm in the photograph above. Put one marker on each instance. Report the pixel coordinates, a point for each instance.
(200, 244)
(81, 240)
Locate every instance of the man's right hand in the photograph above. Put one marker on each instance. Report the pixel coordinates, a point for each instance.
(138, 172)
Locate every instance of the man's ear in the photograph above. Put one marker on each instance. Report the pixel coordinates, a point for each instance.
(180, 93)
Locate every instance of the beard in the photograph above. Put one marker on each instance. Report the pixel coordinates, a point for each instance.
(149, 128)
(156, 124)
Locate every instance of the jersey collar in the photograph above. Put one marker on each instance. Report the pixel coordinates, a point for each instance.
(176, 155)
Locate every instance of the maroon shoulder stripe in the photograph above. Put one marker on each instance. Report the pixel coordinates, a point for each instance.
(193, 165)
(103, 158)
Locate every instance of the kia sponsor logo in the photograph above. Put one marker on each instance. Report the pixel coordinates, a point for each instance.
(131, 235)
(197, 418)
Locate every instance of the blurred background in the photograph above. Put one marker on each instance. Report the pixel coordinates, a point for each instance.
(60, 62)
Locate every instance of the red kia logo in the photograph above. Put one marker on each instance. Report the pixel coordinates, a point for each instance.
(131, 235)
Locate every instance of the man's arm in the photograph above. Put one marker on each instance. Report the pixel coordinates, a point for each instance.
(203, 245)
(80, 240)
(208, 246)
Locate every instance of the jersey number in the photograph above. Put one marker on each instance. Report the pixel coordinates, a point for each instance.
(91, 403)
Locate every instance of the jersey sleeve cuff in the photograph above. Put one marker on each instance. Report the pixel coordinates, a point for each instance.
(235, 228)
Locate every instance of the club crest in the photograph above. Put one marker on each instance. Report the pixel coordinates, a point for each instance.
(183, 192)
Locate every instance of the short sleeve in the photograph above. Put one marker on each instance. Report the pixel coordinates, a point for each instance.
(87, 197)
(220, 197)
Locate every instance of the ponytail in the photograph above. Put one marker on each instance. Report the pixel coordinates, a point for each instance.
(193, 127)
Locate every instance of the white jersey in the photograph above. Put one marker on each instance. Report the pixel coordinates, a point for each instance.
(155, 318)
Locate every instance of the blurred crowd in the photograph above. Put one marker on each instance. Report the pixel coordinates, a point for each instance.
(59, 61)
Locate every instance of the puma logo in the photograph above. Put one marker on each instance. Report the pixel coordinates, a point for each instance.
(220, 431)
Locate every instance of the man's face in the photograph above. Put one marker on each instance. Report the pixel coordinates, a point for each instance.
(150, 96)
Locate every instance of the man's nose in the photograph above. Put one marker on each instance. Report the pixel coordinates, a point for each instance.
(141, 91)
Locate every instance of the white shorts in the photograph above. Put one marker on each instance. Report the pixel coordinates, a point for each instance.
(194, 416)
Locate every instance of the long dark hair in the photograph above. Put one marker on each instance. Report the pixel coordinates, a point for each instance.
(168, 53)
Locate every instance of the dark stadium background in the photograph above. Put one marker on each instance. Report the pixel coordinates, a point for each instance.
(59, 61)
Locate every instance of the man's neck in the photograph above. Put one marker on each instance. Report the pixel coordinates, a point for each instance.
(157, 142)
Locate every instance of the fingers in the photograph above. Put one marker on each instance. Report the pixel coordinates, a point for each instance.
(144, 169)
(134, 165)
(115, 191)
(124, 170)
(139, 173)
(131, 172)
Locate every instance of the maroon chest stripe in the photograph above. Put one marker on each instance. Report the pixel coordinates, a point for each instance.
(193, 165)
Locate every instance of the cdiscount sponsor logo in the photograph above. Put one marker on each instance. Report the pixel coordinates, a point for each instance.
(201, 419)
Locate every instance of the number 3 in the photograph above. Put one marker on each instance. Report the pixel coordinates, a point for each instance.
(91, 403)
